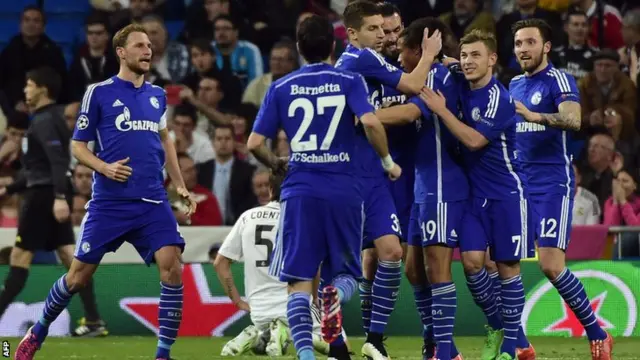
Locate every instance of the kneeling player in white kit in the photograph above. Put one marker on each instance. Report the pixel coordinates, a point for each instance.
(251, 241)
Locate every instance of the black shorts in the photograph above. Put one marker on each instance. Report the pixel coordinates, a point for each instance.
(38, 229)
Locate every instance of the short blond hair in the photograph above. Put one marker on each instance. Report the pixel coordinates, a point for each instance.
(121, 37)
(477, 35)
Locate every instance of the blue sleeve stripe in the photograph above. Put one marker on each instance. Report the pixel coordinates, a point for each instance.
(366, 87)
(492, 107)
(86, 99)
(561, 80)
(382, 61)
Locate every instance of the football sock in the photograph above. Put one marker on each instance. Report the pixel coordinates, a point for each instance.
(481, 288)
(444, 312)
(300, 323)
(365, 303)
(169, 317)
(512, 305)
(384, 293)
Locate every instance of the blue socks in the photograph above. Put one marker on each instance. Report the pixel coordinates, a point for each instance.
(346, 286)
(422, 296)
(522, 342)
(57, 300)
(301, 324)
(572, 291)
(512, 305)
(481, 288)
(169, 317)
(444, 312)
(365, 288)
(385, 293)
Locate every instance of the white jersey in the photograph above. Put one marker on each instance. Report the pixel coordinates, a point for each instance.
(586, 208)
(251, 241)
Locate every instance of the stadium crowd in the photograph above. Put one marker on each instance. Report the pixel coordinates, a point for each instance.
(217, 58)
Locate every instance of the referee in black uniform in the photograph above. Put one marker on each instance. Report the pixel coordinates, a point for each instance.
(44, 222)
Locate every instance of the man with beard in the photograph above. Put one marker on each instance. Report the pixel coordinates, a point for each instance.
(548, 104)
(126, 117)
(382, 228)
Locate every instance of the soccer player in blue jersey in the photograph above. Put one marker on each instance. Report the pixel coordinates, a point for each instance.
(548, 105)
(364, 23)
(497, 210)
(321, 203)
(440, 191)
(126, 118)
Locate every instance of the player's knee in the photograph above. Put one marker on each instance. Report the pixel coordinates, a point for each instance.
(550, 269)
(391, 250)
(171, 274)
(77, 281)
(472, 265)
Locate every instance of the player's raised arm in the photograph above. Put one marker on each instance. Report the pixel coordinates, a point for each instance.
(230, 251)
(412, 83)
(266, 125)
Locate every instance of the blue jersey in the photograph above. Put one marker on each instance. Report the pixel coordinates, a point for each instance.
(124, 121)
(315, 106)
(439, 173)
(494, 171)
(543, 150)
(377, 72)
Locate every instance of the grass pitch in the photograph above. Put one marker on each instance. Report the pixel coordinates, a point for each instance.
(121, 348)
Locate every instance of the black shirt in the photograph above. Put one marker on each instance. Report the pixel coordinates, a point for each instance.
(574, 60)
(46, 155)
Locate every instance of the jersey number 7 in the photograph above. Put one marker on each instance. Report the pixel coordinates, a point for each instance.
(309, 113)
(260, 240)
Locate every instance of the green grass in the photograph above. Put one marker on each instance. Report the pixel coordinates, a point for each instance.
(121, 348)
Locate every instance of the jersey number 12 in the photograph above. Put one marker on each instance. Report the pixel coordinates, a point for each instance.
(309, 113)
(260, 240)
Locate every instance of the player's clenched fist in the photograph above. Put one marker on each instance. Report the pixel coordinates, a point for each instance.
(395, 172)
(188, 200)
(118, 170)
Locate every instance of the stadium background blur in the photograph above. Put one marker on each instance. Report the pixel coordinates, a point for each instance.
(217, 58)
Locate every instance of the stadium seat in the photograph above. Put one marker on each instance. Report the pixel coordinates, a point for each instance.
(13, 7)
(63, 7)
(174, 28)
(8, 29)
(63, 31)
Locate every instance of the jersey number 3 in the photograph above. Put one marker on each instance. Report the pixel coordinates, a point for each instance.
(260, 240)
(309, 113)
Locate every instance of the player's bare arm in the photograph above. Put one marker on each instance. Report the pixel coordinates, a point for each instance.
(568, 117)
(222, 264)
(377, 137)
(258, 147)
(412, 83)
(118, 171)
(470, 137)
(399, 114)
(173, 169)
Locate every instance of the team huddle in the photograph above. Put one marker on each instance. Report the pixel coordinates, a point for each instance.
(391, 165)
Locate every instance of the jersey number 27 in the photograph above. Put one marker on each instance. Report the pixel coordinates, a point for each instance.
(309, 113)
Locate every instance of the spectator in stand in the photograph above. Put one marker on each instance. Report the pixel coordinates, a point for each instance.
(82, 180)
(524, 9)
(586, 207)
(129, 11)
(208, 103)
(241, 121)
(622, 208)
(170, 58)
(208, 211)
(626, 138)
(78, 210)
(282, 60)
(416, 9)
(607, 87)
(262, 186)
(71, 113)
(466, 16)
(602, 163)
(227, 177)
(605, 23)
(203, 62)
(281, 145)
(95, 61)
(631, 36)
(234, 56)
(195, 144)
(28, 50)
(576, 56)
(200, 17)
(11, 144)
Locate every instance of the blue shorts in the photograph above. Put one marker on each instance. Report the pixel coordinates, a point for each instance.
(402, 193)
(551, 218)
(380, 216)
(315, 231)
(108, 224)
(414, 237)
(501, 225)
(440, 223)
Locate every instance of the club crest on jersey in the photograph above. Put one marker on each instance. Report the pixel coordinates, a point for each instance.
(124, 123)
(83, 122)
(535, 99)
(475, 114)
(154, 102)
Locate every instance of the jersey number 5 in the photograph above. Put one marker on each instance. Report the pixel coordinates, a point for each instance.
(260, 240)
(309, 113)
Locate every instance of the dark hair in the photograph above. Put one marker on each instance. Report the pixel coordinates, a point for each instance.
(275, 182)
(227, 18)
(542, 26)
(121, 37)
(289, 45)
(246, 111)
(48, 78)
(412, 35)
(574, 12)
(222, 127)
(96, 19)
(202, 44)
(315, 39)
(186, 110)
(355, 13)
(477, 35)
(35, 8)
(388, 9)
(18, 120)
